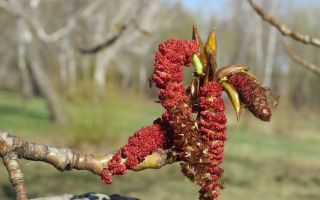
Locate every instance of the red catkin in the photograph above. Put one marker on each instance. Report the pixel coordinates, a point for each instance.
(252, 94)
(169, 60)
(212, 126)
(198, 143)
(141, 144)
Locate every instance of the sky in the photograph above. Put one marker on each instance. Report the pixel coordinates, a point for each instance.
(218, 4)
(196, 4)
(205, 8)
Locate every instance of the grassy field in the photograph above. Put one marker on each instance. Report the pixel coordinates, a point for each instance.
(277, 160)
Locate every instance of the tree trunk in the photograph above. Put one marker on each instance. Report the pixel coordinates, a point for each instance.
(259, 45)
(142, 78)
(63, 72)
(270, 51)
(43, 82)
(69, 52)
(68, 71)
(25, 79)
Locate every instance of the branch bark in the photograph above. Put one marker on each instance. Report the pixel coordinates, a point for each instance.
(284, 29)
(15, 175)
(299, 60)
(63, 159)
(103, 45)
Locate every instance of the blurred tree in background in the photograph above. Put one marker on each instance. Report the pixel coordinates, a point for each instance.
(40, 43)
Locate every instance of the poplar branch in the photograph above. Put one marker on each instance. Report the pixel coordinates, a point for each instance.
(15, 175)
(110, 41)
(299, 60)
(63, 159)
(105, 44)
(284, 29)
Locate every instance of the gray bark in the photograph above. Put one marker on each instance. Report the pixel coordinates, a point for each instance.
(272, 39)
(25, 79)
(68, 66)
(259, 45)
(43, 82)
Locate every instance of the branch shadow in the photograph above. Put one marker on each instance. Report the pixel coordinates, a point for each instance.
(8, 191)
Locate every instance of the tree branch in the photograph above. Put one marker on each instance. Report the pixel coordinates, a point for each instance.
(133, 22)
(15, 175)
(285, 30)
(299, 60)
(105, 44)
(63, 159)
(113, 39)
(17, 10)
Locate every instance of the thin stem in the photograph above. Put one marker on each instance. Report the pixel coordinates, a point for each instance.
(284, 29)
(15, 175)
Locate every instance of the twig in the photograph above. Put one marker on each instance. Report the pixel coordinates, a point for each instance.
(113, 39)
(299, 60)
(105, 44)
(15, 175)
(63, 159)
(284, 29)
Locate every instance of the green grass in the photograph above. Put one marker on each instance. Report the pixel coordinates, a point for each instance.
(277, 160)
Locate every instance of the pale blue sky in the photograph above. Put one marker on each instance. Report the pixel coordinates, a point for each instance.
(217, 8)
(196, 4)
(218, 4)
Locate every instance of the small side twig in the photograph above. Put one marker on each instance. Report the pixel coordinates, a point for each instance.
(105, 44)
(63, 159)
(299, 60)
(284, 29)
(15, 175)
(114, 38)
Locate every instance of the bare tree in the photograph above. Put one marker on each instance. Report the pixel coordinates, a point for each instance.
(24, 38)
(289, 32)
(39, 75)
(271, 48)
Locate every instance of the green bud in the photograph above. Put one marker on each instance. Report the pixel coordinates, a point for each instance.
(197, 64)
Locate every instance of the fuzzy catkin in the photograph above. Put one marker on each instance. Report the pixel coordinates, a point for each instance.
(199, 143)
(252, 94)
(141, 144)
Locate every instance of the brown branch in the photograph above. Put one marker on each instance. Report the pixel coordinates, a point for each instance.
(63, 159)
(299, 60)
(114, 38)
(15, 175)
(285, 30)
(105, 44)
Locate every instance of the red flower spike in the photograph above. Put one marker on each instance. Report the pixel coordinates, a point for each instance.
(213, 134)
(252, 95)
(198, 143)
(170, 58)
(106, 177)
(141, 144)
(172, 55)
